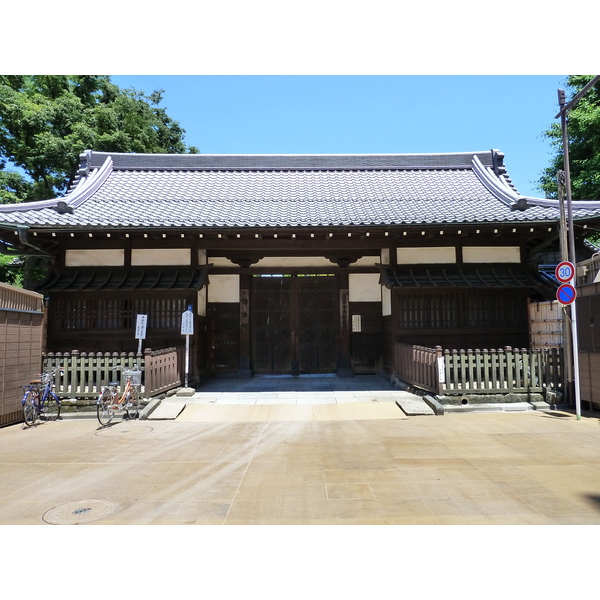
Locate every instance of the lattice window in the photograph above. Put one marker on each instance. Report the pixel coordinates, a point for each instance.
(117, 313)
(469, 309)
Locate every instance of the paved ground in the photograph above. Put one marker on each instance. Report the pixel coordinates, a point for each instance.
(359, 463)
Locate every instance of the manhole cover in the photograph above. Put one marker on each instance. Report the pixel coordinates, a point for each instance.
(80, 512)
(120, 429)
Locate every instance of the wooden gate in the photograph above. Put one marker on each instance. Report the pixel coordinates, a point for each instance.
(294, 324)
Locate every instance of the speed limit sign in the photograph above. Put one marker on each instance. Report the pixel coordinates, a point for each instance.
(565, 271)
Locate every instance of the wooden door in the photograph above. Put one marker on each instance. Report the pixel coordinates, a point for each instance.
(224, 334)
(317, 324)
(294, 325)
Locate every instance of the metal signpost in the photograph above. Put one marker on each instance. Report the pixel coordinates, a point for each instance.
(566, 295)
(140, 330)
(565, 273)
(187, 329)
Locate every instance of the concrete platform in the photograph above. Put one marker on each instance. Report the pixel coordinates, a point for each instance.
(230, 413)
(298, 398)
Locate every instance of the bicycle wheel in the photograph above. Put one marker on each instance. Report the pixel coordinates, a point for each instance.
(132, 405)
(104, 410)
(51, 408)
(30, 405)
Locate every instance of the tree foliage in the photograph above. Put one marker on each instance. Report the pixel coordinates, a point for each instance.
(46, 121)
(583, 128)
(11, 270)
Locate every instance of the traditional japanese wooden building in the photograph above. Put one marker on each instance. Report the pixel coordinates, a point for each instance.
(292, 264)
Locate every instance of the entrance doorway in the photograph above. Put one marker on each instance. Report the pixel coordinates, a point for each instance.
(294, 324)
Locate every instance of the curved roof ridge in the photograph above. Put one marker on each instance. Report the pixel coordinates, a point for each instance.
(242, 162)
(495, 185)
(91, 185)
(86, 187)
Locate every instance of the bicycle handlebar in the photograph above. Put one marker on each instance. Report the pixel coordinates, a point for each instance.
(49, 375)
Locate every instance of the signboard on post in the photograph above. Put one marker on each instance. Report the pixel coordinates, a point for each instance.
(187, 329)
(187, 323)
(441, 370)
(140, 330)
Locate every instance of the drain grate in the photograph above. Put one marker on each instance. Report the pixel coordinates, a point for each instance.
(80, 512)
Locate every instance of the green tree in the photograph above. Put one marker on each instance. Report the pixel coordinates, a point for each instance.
(584, 144)
(46, 121)
(11, 270)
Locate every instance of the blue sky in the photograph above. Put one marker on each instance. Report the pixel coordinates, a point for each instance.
(303, 114)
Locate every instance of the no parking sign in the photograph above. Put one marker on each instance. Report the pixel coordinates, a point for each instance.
(566, 294)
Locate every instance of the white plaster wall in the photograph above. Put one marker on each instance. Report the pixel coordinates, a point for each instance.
(221, 261)
(160, 256)
(202, 302)
(426, 255)
(95, 258)
(491, 254)
(224, 288)
(385, 256)
(201, 257)
(294, 261)
(364, 287)
(366, 261)
(386, 301)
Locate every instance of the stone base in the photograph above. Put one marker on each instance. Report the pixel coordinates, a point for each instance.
(186, 391)
(466, 399)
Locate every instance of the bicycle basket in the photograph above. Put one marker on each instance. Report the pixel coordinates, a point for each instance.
(136, 376)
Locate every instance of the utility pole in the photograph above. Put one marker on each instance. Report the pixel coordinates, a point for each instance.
(564, 110)
(566, 318)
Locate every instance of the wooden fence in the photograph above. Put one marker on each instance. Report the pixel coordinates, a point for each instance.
(86, 373)
(502, 371)
(418, 366)
(588, 271)
(163, 369)
(21, 334)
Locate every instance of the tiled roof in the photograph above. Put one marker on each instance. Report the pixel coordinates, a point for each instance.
(513, 276)
(187, 191)
(106, 278)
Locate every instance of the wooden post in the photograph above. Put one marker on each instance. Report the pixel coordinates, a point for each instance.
(509, 368)
(244, 356)
(345, 362)
(73, 369)
(440, 363)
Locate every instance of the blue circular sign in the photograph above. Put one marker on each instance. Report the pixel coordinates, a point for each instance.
(566, 294)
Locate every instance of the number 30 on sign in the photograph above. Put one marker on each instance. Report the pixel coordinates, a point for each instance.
(564, 271)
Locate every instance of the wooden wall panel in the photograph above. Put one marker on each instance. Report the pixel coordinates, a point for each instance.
(20, 359)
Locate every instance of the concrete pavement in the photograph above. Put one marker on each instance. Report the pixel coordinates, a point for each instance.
(304, 465)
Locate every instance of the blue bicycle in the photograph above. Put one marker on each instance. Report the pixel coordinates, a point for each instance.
(41, 402)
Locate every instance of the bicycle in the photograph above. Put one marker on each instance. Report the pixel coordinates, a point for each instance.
(40, 402)
(109, 401)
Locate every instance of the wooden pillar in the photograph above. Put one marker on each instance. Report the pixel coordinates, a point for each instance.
(345, 361)
(244, 359)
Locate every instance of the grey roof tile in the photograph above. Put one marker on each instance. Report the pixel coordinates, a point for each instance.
(277, 191)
